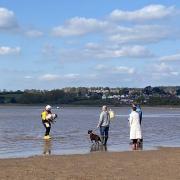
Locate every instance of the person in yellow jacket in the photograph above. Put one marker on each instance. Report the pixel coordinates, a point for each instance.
(47, 118)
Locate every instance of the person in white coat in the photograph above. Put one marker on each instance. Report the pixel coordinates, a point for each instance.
(135, 128)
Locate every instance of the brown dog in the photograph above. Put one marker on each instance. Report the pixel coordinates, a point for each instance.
(94, 137)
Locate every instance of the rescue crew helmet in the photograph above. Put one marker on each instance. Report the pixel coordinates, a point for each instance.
(48, 108)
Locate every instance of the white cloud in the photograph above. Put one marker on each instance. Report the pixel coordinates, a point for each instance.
(100, 67)
(28, 77)
(150, 12)
(49, 77)
(125, 51)
(34, 33)
(163, 69)
(175, 73)
(123, 69)
(114, 70)
(79, 26)
(55, 77)
(175, 57)
(7, 19)
(104, 52)
(132, 51)
(5, 50)
(92, 45)
(71, 76)
(140, 34)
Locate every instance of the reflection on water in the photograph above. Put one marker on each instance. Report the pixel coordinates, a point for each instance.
(139, 146)
(98, 147)
(47, 147)
(21, 130)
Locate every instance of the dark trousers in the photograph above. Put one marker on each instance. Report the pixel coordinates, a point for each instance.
(104, 132)
(47, 128)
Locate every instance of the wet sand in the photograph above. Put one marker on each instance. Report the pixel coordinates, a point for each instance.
(162, 164)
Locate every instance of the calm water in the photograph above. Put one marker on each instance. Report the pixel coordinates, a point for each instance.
(21, 131)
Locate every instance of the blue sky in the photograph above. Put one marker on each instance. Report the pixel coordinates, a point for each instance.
(63, 43)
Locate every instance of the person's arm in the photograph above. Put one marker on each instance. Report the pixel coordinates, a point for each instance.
(100, 120)
(130, 119)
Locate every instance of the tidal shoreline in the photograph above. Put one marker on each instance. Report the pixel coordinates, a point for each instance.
(161, 164)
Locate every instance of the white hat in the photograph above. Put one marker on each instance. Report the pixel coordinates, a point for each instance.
(48, 108)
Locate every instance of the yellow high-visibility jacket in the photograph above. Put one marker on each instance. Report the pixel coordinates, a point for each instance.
(43, 115)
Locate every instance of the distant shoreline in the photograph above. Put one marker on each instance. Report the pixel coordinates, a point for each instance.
(86, 105)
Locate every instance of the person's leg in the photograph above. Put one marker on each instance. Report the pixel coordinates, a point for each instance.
(134, 144)
(44, 124)
(138, 143)
(102, 134)
(47, 126)
(48, 129)
(106, 132)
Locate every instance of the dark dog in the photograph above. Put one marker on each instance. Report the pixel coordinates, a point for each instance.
(94, 137)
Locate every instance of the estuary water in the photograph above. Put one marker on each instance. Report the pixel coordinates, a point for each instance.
(21, 130)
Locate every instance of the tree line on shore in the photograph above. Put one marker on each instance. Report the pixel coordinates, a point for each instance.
(94, 96)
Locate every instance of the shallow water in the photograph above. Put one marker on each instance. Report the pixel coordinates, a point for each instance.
(21, 130)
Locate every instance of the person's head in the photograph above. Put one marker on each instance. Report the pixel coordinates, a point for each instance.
(48, 108)
(134, 108)
(104, 108)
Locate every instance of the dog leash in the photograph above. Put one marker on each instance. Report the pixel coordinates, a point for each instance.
(95, 129)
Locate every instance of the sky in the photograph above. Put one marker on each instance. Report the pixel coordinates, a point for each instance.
(51, 44)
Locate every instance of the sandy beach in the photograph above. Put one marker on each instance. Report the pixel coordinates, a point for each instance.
(162, 164)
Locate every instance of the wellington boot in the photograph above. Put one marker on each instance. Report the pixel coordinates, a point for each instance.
(47, 137)
(105, 141)
(102, 139)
